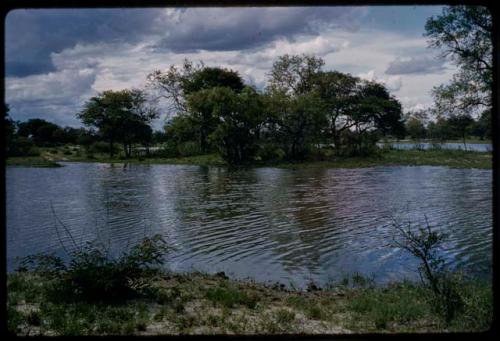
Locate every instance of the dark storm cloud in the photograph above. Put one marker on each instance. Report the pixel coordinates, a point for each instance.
(32, 35)
(417, 65)
(240, 29)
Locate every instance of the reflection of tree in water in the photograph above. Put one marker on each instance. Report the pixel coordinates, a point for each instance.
(306, 209)
(214, 205)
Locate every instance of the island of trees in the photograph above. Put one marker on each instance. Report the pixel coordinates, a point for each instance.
(304, 112)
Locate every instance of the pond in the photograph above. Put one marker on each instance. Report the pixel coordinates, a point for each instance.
(269, 224)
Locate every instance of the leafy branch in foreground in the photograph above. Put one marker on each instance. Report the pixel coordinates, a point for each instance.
(424, 243)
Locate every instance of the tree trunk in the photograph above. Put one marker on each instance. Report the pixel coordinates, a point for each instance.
(125, 149)
(111, 149)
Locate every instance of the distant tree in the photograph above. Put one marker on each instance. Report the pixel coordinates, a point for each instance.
(143, 134)
(117, 115)
(39, 131)
(460, 125)
(415, 128)
(465, 35)
(159, 137)
(10, 130)
(86, 137)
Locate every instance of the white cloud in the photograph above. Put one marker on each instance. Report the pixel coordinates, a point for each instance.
(85, 69)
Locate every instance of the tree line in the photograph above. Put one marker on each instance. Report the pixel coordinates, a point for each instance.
(302, 109)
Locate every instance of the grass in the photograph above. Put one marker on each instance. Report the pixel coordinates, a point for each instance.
(386, 157)
(31, 161)
(448, 158)
(198, 303)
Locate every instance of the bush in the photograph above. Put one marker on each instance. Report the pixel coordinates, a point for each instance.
(93, 275)
(101, 147)
(189, 148)
(269, 151)
(21, 146)
(445, 286)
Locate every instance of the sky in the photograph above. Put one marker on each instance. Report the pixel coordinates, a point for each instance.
(56, 59)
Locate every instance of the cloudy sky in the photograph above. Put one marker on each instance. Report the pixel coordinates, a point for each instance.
(57, 59)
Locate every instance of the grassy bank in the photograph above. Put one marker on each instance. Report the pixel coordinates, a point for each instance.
(212, 304)
(448, 158)
(31, 161)
(385, 157)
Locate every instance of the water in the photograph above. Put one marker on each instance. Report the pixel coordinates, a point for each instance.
(476, 147)
(268, 224)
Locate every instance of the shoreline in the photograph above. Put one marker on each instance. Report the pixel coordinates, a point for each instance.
(385, 157)
(198, 303)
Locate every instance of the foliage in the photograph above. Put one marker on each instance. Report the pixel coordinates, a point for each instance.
(93, 275)
(424, 243)
(415, 128)
(294, 74)
(120, 116)
(464, 33)
(240, 117)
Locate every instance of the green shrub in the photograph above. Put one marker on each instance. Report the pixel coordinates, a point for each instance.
(22, 146)
(101, 147)
(270, 152)
(189, 148)
(92, 275)
(424, 243)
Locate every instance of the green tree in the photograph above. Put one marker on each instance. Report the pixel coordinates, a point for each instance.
(201, 116)
(415, 128)
(464, 33)
(175, 84)
(9, 130)
(39, 131)
(376, 109)
(460, 125)
(297, 121)
(294, 74)
(338, 92)
(117, 115)
(210, 77)
(170, 84)
(240, 116)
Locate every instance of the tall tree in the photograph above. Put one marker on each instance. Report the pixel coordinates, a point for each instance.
(176, 84)
(240, 116)
(170, 84)
(118, 115)
(294, 74)
(464, 33)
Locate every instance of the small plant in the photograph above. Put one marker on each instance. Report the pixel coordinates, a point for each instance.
(284, 316)
(93, 275)
(424, 243)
